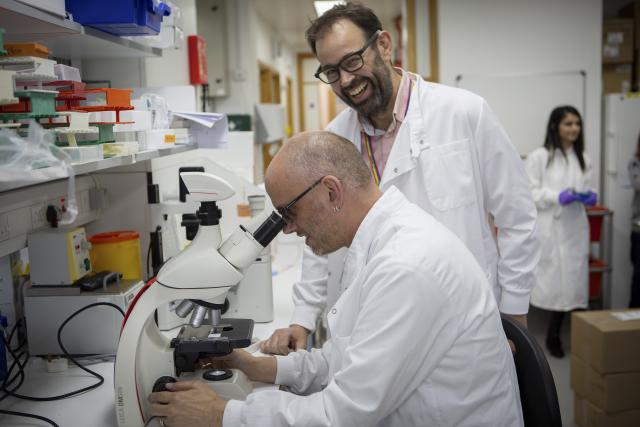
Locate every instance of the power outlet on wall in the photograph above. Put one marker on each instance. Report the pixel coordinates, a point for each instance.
(38, 216)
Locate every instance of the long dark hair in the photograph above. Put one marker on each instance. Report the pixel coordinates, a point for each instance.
(553, 141)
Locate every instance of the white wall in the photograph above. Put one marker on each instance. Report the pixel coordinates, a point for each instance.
(243, 87)
(508, 36)
(252, 39)
(172, 69)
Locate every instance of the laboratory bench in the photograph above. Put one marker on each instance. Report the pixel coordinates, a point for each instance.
(96, 408)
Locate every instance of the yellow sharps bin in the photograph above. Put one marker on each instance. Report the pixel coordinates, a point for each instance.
(117, 251)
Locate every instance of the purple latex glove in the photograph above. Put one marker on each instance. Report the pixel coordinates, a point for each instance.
(567, 196)
(591, 199)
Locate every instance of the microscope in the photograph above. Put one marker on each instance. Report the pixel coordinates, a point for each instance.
(200, 275)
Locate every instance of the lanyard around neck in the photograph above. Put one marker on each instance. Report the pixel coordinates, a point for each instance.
(373, 164)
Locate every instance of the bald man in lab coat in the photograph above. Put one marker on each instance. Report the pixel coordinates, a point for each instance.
(416, 336)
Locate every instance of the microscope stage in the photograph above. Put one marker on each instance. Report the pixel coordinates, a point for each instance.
(193, 344)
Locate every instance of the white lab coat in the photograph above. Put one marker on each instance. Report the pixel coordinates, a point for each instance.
(562, 274)
(416, 339)
(452, 158)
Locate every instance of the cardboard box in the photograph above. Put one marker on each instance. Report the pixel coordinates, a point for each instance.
(617, 41)
(586, 414)
(616, 78)
(632, 10)
(610, 392)
(609, 345)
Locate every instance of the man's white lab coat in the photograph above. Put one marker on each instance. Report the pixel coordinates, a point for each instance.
(452, 158)
(416, 338)
(562, 275)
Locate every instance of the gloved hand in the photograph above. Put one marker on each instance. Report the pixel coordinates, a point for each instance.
(589, 198)
(567, 196)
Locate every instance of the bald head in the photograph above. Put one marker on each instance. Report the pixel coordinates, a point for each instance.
(314, 154)
(322, 188)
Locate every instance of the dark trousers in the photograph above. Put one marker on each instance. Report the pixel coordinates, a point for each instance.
(555, 323)
(635, 280)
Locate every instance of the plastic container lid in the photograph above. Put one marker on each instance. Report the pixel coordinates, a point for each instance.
(114, 236)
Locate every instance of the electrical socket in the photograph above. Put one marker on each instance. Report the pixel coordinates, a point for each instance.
(38, 216)
(4, 226)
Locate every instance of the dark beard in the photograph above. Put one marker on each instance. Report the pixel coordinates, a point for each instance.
(382, 89)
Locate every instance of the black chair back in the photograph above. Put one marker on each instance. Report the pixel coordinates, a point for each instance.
(537, 389)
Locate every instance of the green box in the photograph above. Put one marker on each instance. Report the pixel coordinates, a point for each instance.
(42, 103)
(2, 51)
(239, 122)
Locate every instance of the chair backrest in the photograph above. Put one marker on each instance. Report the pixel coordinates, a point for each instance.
(537, 389)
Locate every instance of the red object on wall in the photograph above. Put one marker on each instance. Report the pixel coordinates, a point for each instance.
(197, 60)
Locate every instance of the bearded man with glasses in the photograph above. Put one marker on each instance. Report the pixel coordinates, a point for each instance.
(442, 147)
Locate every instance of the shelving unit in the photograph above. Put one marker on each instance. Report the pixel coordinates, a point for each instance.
(600, 222)
(70, 40)
(66, 38)
(98, 165)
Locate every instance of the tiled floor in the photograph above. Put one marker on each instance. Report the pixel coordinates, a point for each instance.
(538, 321)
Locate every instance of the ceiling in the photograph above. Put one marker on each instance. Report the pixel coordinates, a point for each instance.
(290, 18)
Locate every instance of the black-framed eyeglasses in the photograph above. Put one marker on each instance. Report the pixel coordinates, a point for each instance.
(350, 63)
(285, 212)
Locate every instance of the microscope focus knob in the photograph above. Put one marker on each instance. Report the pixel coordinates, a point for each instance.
(160, 384)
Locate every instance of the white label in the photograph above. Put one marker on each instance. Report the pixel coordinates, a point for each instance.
(610, 51)
(627, 315)
(615, 37)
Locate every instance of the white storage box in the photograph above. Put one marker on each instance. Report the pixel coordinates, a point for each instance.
(85, 153)
(156, 138)
(102, 116)
(141, 121)
(6, 88)
(29, 67)
(67, 73)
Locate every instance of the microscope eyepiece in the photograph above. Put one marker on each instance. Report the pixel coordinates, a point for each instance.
(269, 229)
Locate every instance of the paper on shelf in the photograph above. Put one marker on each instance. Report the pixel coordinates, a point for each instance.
(210, 130)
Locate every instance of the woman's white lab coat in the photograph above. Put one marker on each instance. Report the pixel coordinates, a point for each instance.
(562, 274)
(416, 339)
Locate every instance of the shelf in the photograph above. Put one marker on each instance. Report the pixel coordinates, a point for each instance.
(65, 38)
(44, 175)
(97, 165)
(21, 20)
(161, 152)
(599, 269)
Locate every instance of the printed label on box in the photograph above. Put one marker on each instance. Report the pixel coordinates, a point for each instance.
(169, 139)
(610, 51)
(615, 37)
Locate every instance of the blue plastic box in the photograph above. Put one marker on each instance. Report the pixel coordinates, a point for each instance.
(120, 17)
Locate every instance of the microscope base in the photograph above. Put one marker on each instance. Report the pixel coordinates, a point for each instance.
(236, 387)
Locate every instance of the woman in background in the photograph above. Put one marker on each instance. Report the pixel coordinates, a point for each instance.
(634, 177)
(559, 175)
